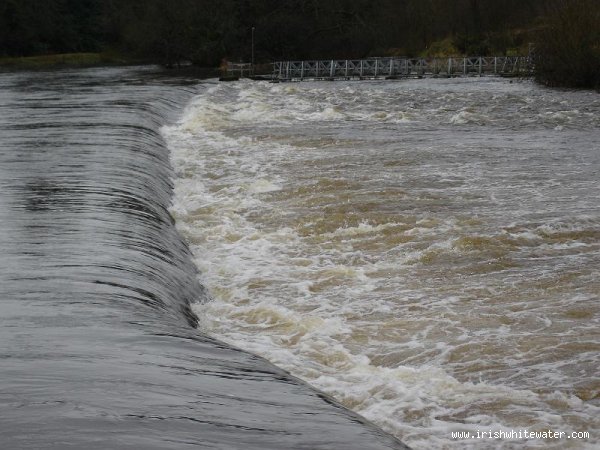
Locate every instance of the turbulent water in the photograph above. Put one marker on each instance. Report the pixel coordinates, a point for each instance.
(426, 251)
(98, 344)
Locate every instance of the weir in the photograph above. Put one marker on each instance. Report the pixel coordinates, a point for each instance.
(393, 68)
(98, 345)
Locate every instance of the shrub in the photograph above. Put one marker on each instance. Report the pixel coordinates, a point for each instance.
(568, 45)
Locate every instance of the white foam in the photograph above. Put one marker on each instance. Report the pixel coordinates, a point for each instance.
(466, 116)
(403, 290)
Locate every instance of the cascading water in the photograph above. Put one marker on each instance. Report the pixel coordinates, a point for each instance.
(426, 251)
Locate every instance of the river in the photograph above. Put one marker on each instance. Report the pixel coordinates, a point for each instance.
(425, 251)
(99, 346)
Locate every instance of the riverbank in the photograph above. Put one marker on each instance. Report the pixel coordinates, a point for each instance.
(65, 60)
(104, 59)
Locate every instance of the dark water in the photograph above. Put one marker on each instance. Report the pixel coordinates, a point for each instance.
(98, 345)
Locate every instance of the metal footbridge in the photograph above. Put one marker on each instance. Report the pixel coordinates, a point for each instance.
(393, 68)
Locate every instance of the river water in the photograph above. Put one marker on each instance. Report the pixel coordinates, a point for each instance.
(98, 343)
(425, 251)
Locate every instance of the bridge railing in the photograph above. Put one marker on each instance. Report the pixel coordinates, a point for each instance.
(401, 67)
(239, 69)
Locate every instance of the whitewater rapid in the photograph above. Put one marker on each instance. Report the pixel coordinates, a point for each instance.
(426, 251)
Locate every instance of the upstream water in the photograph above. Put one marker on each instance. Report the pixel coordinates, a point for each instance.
(426, 251)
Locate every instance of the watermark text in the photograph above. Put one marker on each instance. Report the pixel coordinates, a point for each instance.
(520, 434)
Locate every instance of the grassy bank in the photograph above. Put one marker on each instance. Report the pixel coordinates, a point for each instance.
(83, 60)
(64, 60)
